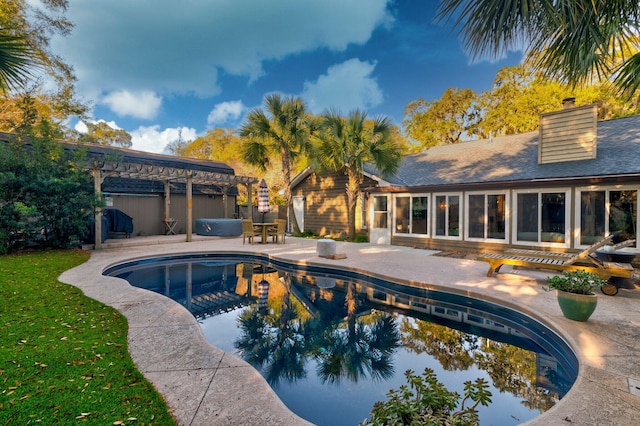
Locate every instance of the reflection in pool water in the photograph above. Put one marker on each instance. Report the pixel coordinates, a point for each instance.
(332, 343)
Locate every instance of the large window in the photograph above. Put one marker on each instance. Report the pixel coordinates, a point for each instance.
(411, 213)
(541, 217)
(603, 211)
(447, 215)
(487, 216)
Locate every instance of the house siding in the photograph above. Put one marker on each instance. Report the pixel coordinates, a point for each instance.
(568, 135)
(148, 211)
(325, 206)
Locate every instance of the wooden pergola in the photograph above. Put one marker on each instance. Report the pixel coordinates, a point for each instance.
(102, 168)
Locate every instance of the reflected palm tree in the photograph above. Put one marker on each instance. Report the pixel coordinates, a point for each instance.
(274, 343)
(360, 349)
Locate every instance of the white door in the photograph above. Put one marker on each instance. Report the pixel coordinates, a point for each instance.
(380, 230)
(298, 210)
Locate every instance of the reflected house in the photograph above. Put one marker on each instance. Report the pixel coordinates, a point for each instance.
(204, 288)
(552, 367)
(562, 188)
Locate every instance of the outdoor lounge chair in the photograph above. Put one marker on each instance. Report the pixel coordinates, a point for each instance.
(561, 262)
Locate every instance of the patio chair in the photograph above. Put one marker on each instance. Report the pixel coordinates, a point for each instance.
(279, 230)
(562, 262)
(248, 231)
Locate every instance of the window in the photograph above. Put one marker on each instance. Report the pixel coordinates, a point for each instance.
(603, 211)
(411, 213)
(487, 216)
(447, 215)
(541, 217)
(380, 211)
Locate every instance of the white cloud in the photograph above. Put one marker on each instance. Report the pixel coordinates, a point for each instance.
(168, 47)
(345, 86)
(143, 104)
(152, 139)
(81, 127)
(225, 111)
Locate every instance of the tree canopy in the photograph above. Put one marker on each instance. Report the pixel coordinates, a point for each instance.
(27, 28)
(450, 119)
(512, 105)
(103, 134)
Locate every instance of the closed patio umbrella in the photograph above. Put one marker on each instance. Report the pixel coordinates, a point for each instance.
(263, 199)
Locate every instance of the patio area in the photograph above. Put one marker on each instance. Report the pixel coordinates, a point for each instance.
(204, 385)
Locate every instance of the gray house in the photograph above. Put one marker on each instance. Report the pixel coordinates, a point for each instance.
(560, 188)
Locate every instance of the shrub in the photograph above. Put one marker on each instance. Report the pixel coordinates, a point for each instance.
(46, 197)
(578, 282)
(361, 238)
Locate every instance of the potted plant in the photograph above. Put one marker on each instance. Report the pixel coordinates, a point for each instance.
(575, 293)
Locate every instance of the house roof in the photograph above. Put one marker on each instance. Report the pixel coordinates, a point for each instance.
(515, 158)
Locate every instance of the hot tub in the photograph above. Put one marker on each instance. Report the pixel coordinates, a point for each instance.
(219, 227)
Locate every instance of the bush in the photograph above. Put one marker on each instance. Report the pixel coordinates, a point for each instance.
(46, 196)
(578, 282)
(426, 401)
(361, 238)
(306, 234)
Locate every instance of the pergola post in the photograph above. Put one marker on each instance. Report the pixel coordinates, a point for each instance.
(167, 200)
(97, 217)
(225, 192)
(249, 202)
(189, 206)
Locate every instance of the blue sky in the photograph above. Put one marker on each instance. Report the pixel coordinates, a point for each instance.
(164, 69)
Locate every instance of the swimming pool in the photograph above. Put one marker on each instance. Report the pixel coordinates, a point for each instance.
(316, 375)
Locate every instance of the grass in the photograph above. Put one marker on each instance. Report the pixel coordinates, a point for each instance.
(64, 356)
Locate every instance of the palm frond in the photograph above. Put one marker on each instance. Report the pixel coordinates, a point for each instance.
(629, 75)
(572, 40)
(16, 61)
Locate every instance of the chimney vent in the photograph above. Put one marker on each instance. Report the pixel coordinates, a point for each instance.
(568, 103)
(569, 134)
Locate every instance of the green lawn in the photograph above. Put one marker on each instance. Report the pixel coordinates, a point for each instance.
(63, 356)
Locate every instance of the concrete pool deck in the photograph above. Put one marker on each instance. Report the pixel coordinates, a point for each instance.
(206, 386)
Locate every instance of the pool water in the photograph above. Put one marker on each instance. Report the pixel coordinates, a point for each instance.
(332, 343)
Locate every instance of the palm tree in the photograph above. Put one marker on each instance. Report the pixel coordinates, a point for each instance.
(345, 144)
(282, 130)
(16, 59)
(575, 40)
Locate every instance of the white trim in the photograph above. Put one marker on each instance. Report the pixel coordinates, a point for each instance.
(380, 235)
(300, 177)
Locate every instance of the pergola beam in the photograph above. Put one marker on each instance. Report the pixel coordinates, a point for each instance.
(128, 170)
